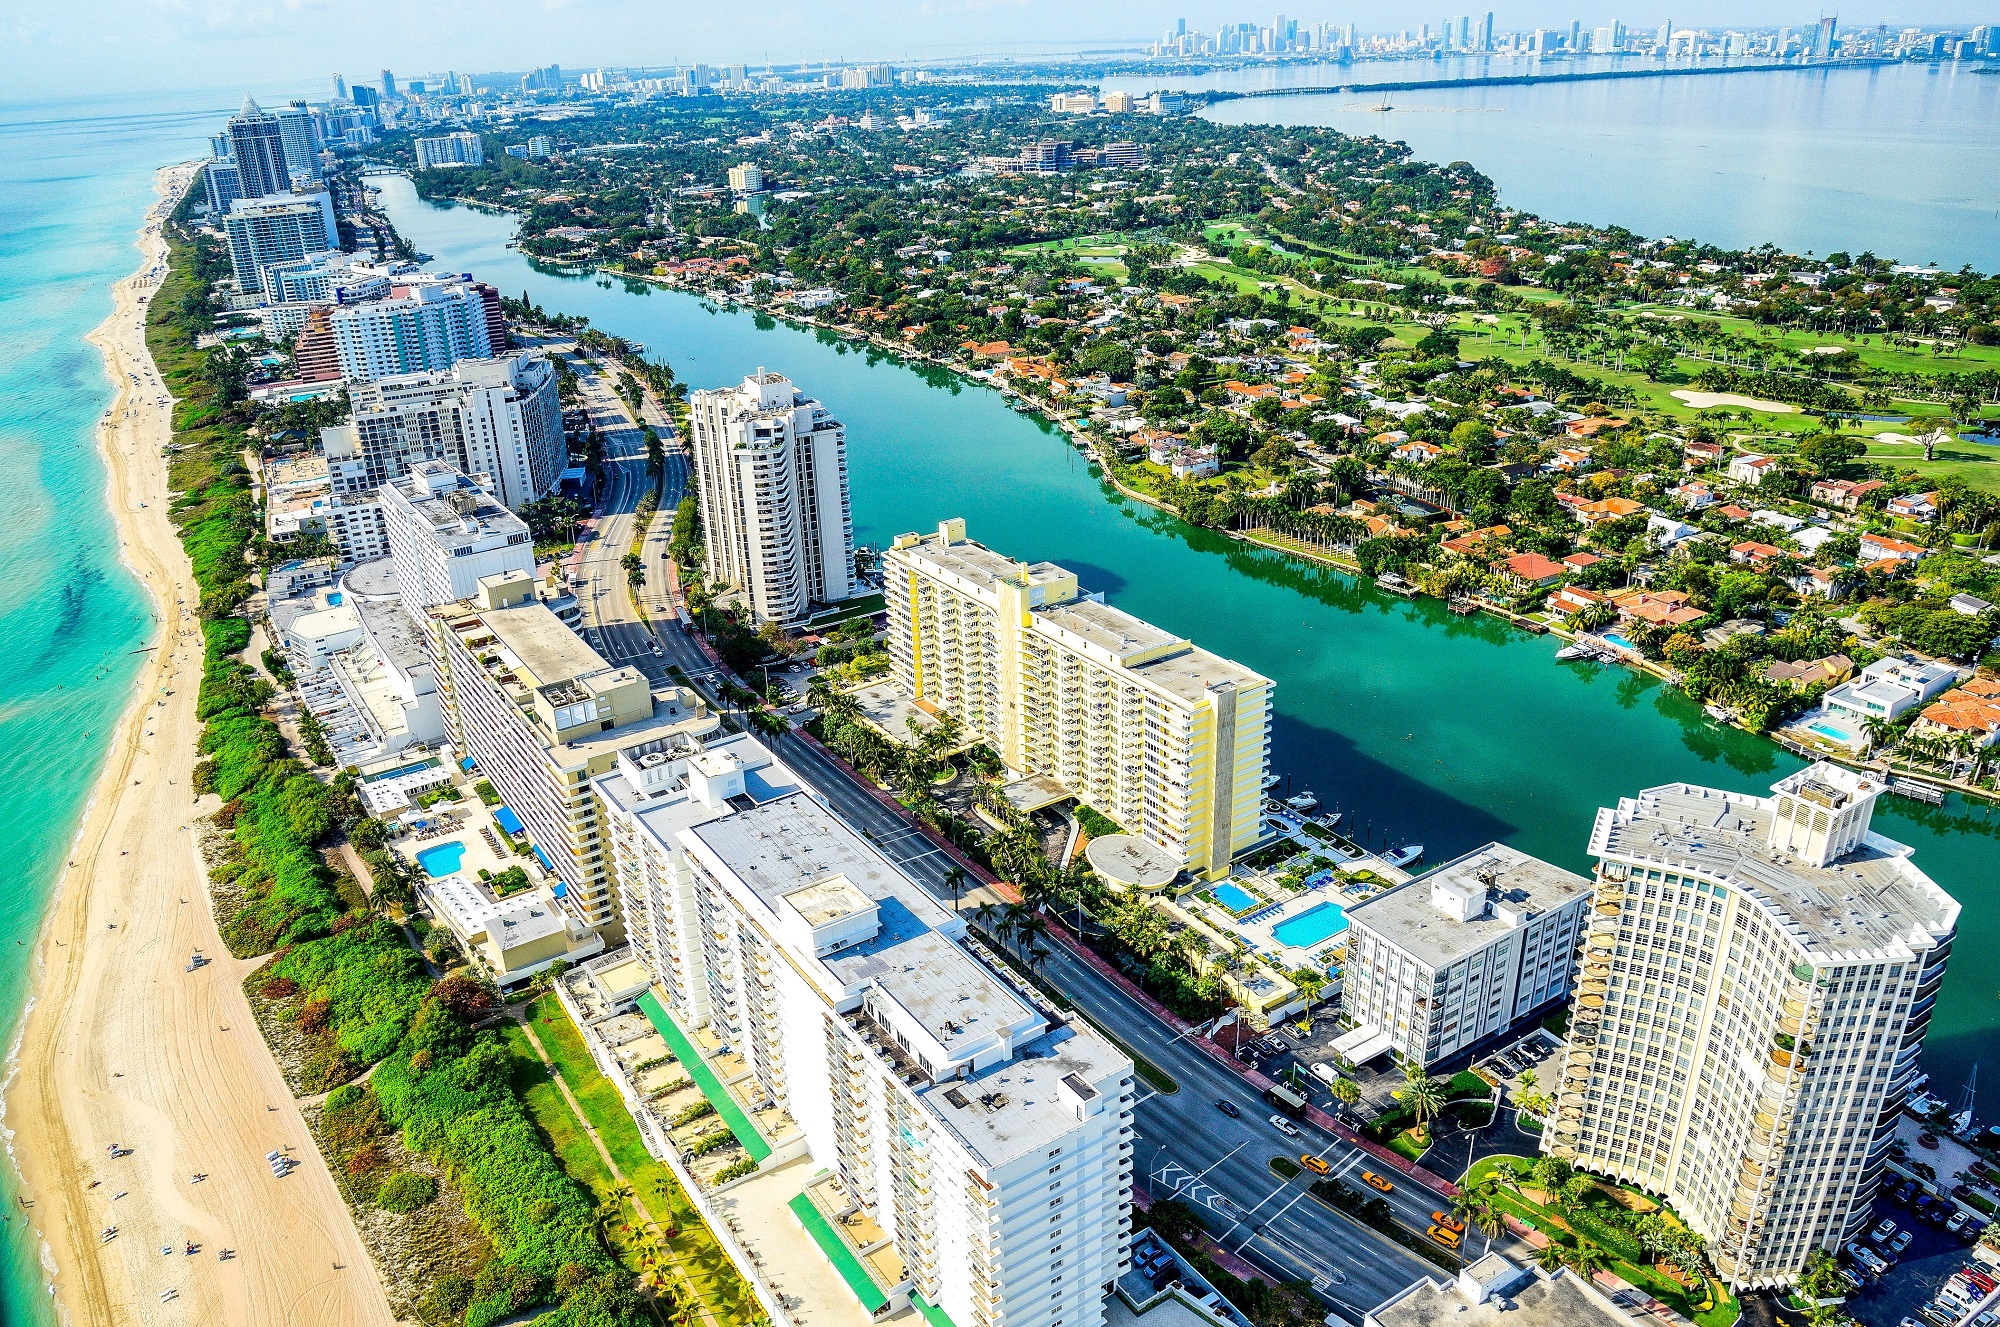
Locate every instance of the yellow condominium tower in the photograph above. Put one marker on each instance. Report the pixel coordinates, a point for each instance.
(1757, 977)
(1160, 735)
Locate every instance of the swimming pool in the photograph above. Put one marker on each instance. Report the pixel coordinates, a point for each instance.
(1831, 732)
(442, 860)
(1234, 897)
(1313, 926)
(1618, 640)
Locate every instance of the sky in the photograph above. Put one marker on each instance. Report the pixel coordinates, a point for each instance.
(57, 48)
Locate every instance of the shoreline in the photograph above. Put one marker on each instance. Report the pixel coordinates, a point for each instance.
(121, 1043)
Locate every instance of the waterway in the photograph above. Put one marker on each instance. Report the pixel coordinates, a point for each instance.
(1901, 160)
(75, 182)
(1419, 725)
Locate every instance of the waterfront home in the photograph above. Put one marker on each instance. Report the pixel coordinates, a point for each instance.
(1880, 547)
(1666, 608)
(1799, 676)
(1528, 571)
(1846, 494)
(1921, 507)
(1751, 470)
(1958, 714)
(1717, 637)
(1161, 447)
(1195, 463)
(1474, 541)
(1890, 688)
(1575, 599)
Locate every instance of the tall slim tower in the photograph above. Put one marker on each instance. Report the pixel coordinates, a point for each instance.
(388, 86)
(1757, 977)
(259, 143)
(772, 468)
(339, 88)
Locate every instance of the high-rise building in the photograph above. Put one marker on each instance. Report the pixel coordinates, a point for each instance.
(1824, 37)
(456, 149)
(223, 184)
(771, 466)
(258, 147)
(1757, 977)
(222, 147)
(746, 179)
(446, 534)
(494, 419)
(300, 139)
(1160, 735)
(339, 88)
(981, 1133)
(1484, 38)
(275, 229)
(425, 323)
(388, 86)
(542, 714)
(1439, 965)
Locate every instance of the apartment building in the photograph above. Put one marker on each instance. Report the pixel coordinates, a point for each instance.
(446, 534)
(986, 1136)
(423, 323)
(542, 714)
(1160, 735)
(276, 228)
(771, 466)
(497, 420)
(1757, 977)
(457, 149)
(1475, 947)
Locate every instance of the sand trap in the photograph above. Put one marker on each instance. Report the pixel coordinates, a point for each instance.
(1703, 400)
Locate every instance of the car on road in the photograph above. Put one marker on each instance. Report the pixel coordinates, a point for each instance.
(1448, 1238)
(1228, 1107)
(1374, 1181)
(1901, 1242)
(1882, 1231)
(1284, 1126)
(1317, 1165)
(1448, 1221)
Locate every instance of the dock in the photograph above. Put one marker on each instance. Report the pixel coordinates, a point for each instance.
(1917, 791)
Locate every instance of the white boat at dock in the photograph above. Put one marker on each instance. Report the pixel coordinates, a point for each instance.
(1404, 856)
(1272, 780)
(1304, 801)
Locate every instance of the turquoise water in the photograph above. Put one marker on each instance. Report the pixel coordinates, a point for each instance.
(1418, 724)
(442, 860)
(1902, 160)
(1234, 897)
(75, 182)
(1313, 926)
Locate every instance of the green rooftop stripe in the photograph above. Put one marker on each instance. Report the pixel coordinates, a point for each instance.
(934, 1315)
(712, 1087)
(872, 1297)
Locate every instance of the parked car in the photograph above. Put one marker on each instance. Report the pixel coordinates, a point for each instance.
(1325, 1073)
(1882, 1231)
(1901, 1242)
(1317, 1165)
(1284, 1126)
(1958, 1221)
(1906, 1191)
(1374, 1181)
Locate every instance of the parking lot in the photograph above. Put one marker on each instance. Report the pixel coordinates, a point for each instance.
(1931, 1258)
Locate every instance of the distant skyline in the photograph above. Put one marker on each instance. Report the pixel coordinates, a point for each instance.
(51, 49)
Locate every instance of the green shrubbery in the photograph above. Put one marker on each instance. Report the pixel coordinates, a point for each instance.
(349, 981)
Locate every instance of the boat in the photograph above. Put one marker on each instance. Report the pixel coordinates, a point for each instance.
(1573, 651)
(1405, 855)
(1304, 801)
(1272, 780)
(1718, 713)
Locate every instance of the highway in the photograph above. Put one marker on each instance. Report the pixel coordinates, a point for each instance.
(1185, 1146)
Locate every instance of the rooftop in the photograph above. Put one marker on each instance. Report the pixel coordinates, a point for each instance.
(1531, 1300)
(1873, 899)
(1515, 886)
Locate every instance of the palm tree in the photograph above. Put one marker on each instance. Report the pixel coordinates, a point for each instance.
(1588, 1258)
(1423, 1095)
(1551, 1256)
(954, 880)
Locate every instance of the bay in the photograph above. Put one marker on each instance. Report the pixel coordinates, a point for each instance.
(1901, 160)
(1420, 725)
(76, 178)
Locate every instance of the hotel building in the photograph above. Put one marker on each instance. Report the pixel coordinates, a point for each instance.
(1154, 732)
(446, 535)
(771, 467)
(1443, 963)
(1757, 977)
(986, 1136)
(543, 714)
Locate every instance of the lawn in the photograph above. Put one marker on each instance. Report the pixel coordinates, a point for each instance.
(714, 1276)
(1628, 1259)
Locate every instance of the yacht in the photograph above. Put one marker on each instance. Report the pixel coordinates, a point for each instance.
(1272, 780)
(1405, 855)
(1304, 801)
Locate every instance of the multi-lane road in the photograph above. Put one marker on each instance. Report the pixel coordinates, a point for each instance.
(1186, 1146)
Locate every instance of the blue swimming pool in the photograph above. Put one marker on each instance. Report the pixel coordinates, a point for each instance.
(1314, 926)
(1234, 897)
(442, 860)
(1830, 731)
(1618, 640)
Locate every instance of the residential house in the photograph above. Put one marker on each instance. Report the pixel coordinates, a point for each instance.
(1665, 531)
(1821, 581)
(1417, 450)
(1756, 555)
(1697, 454)
(1751, 470)
(1846, 494)
(1777, 520)
(1580, 561)
(1890, 688)
(1196, 463)
(1819, 672)
(1568, 459)
(1729, 511)
(1921, 507)
(1969, 604)
(1880, 547)
(1665, 608)
(1528, 571)
(1590, 428)
(1693, 495)
(1472, 542)
(1957, 713)
(1575, 599)
(1604, 509)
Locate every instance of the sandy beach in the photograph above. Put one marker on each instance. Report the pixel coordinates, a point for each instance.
(126, 1046)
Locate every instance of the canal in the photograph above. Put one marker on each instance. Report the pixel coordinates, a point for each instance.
(1419, 725)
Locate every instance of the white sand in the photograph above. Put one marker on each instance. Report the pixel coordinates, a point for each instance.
(125, 1046)
(1703, 400)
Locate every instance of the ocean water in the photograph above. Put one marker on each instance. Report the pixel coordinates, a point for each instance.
(1902, 160)
(75, 182)
(1418, 725)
